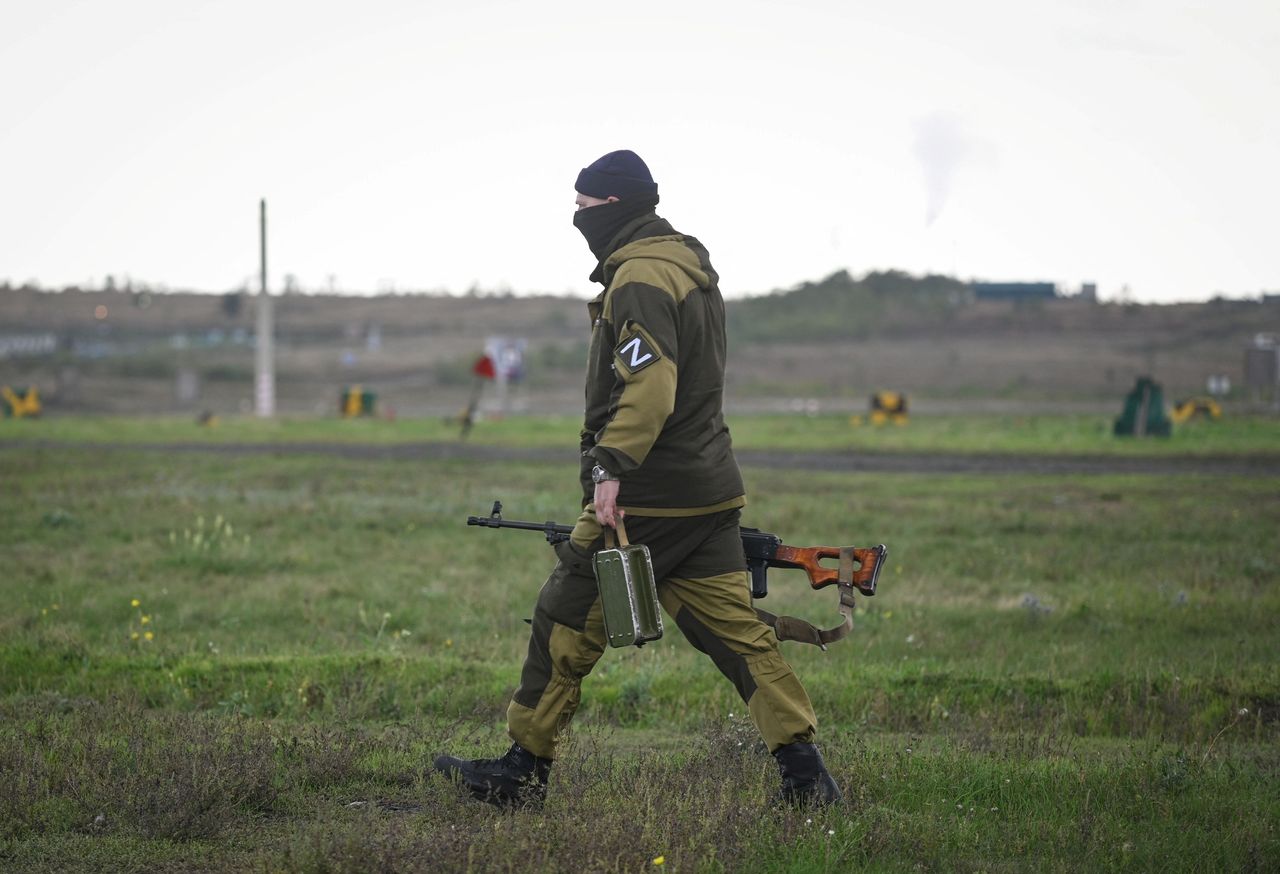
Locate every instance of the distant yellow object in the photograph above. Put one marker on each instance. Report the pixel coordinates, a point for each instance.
(18, 405)
(888, 406)
(351, 402)
(1200, 406)
(356, 401)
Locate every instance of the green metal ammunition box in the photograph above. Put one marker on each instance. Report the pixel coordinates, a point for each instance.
(628, 595)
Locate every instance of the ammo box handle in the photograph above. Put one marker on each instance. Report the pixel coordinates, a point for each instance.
(622, 535)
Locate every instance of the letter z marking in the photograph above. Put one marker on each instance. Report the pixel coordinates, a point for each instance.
(636, 354)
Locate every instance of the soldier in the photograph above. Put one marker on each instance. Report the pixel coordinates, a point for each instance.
(656, 449)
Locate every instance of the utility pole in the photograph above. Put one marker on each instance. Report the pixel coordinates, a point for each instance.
(264, 363)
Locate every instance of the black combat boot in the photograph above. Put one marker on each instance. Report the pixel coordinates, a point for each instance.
(804, 776)
(515, 779)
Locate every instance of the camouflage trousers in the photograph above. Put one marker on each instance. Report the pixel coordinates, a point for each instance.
(702, 585)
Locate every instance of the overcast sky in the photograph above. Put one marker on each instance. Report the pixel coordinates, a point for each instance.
(434, 145)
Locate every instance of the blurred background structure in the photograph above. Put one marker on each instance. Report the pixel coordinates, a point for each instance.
(830, 343)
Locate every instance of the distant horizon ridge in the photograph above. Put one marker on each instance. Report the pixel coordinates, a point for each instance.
(1060, 291)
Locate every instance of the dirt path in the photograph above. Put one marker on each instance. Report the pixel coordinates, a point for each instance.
(878, 462)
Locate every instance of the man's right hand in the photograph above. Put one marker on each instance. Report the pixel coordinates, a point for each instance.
(606, 503)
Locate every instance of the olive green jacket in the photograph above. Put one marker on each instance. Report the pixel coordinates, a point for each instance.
(655, 377)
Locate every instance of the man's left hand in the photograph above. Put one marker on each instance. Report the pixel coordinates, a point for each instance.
(606, 503)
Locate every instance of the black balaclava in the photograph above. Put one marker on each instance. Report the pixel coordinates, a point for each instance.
(622, 174)
(601, 225)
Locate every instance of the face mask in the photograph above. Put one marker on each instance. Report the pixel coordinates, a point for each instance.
(601, 225)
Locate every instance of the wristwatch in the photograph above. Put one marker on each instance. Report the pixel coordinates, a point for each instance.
(599, 475)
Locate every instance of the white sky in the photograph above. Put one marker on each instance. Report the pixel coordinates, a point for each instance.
(433, 145)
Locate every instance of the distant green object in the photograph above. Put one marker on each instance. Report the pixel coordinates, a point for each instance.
(1144, 411)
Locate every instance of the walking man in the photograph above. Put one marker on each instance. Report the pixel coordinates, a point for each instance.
(656, 449)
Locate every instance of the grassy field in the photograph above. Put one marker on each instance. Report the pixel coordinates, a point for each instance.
(1042, 434)
(223, 662)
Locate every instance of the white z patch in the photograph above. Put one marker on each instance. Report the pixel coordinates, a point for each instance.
(636, 354)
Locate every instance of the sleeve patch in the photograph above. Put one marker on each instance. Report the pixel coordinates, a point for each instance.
(636, 353)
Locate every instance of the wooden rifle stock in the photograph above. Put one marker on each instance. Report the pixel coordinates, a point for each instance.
(807, 558)
(764, 551)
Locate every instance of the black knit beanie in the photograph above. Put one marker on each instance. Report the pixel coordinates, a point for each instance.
(618, 174)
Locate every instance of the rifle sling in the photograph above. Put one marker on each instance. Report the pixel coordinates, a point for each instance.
(792, 628)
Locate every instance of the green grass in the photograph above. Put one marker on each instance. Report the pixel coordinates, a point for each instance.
(1052, 676)
(1038, 434)
(1005, 434)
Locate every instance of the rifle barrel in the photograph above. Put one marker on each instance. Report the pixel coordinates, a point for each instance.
(487, 522)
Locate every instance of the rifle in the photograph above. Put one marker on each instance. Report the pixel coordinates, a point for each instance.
(859, 567)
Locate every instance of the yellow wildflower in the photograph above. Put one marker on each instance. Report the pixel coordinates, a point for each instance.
(135, 603)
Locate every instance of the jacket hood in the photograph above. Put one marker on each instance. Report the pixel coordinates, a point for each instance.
(679, 250)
